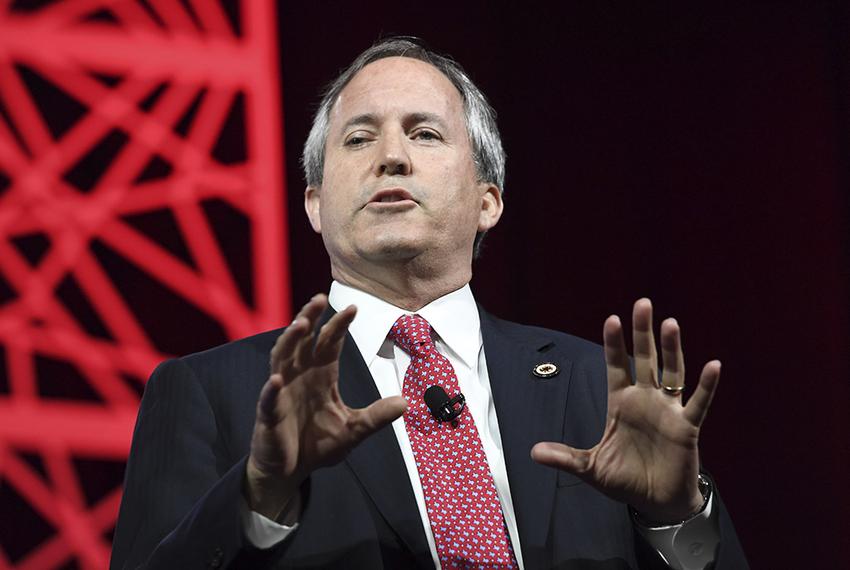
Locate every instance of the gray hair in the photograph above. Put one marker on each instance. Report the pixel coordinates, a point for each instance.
(487, 152)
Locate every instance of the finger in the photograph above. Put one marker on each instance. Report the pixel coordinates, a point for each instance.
(646, 357)
(311, 312)
(370, 419)
(560, 456)
(267, 404)
(284, 346)
(697, 407)
(673, 375)
(332, 335)
(286, 343)
(616, 356)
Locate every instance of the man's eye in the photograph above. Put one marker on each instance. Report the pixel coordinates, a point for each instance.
(355, 141)
(426, 135)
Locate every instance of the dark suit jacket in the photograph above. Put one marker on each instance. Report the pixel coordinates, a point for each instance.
(185, 474)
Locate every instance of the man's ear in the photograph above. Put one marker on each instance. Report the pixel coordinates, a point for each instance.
(491, 207)
(312, 205)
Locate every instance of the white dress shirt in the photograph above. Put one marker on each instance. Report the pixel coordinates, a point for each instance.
(455, 321)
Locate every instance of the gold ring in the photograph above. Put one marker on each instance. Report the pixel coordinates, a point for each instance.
(673, 390)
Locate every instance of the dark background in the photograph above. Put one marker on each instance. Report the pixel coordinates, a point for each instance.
(695, 154)
(698, 154)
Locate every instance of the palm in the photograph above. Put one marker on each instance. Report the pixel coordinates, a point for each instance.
(302, 422)
(648, 455)
(306, 426)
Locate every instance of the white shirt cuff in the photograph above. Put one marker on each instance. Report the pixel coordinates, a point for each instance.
(691, 545)
(260, 531)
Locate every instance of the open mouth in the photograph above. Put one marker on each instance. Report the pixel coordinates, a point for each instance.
(393, 198)
(391, 195)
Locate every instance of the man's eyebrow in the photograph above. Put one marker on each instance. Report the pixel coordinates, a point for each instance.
(367, 119)
(425, 117)
(371, 120)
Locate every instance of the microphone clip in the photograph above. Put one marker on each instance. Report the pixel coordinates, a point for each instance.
(443, 408)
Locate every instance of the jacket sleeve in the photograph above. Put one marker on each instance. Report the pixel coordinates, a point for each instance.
(182, 490)
(730, 553)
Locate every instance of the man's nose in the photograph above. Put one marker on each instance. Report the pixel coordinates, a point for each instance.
(393, 159)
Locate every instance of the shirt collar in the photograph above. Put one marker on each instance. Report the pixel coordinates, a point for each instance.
(454, 317)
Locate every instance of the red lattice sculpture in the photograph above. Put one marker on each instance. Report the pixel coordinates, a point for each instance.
(141, 215)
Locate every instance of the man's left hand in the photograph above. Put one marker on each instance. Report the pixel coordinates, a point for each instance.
(648, 456)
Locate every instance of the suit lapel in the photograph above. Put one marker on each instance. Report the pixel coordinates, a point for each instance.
(529, 410)
(377, 462)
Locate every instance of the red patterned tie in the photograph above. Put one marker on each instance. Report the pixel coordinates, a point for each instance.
(460, 495)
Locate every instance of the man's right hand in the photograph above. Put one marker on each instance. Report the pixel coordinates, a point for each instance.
(302, 423)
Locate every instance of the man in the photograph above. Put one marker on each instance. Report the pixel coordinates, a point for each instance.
(315, 459)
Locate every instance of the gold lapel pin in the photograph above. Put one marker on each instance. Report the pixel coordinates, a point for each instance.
(545, 370)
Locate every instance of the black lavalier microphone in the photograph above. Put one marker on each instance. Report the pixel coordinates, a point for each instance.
(443, 408)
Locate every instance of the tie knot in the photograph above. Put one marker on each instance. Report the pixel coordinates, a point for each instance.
(412, 333)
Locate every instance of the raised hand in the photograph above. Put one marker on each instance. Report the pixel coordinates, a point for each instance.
(648, 455)
(302, 423)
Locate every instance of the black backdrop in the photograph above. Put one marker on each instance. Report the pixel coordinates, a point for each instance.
(694, 154)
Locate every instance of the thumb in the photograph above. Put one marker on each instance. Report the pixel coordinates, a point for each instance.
(560, 456)
(267, 402)
(375, 416)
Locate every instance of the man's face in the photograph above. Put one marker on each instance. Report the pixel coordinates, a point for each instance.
(399, 180)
